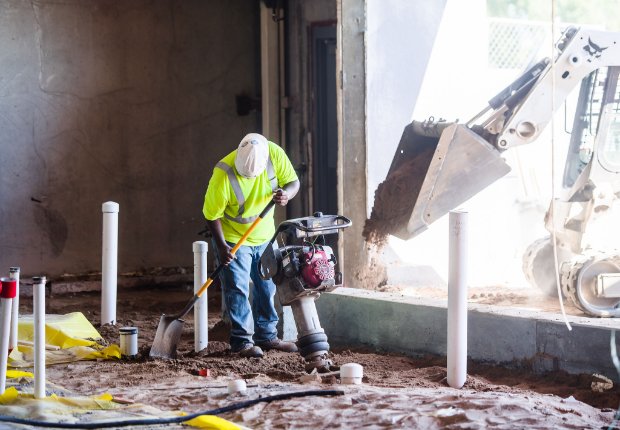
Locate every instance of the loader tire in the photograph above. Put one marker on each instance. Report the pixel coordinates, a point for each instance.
(538, 266)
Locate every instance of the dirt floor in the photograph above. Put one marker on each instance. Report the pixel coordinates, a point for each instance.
(397, 391)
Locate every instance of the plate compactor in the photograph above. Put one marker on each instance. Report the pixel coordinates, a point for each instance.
(302, 267)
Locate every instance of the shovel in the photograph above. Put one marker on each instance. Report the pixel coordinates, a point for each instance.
(170, 327)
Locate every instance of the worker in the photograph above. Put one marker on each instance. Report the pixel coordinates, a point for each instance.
(242, 185)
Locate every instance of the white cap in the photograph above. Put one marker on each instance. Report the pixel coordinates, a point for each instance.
(237, 386)
(252, 155)
(351, 373)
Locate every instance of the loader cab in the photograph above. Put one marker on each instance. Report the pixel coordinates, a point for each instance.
(595, 134)
(609, 129)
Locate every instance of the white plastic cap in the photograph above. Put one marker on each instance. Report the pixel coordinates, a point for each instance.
(351, 373)
(200, 247)
(236, 386)
(110, 207)
(36, 280)
(252, 155)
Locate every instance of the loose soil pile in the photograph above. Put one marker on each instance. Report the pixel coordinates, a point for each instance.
(398, 391)
(395, 198)
(393, 205)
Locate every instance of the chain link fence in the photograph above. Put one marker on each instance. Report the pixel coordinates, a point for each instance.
(513, 44)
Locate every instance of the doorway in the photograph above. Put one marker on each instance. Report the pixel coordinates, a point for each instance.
(324, 118)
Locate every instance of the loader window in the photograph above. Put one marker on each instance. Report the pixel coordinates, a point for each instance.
(610, 124)
(611, 153)
(585, 125)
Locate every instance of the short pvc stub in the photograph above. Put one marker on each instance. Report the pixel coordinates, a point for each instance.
(128, 341)
(351, 373)
(236, 386)
(200, 247)
(9, 288)
(110, 207)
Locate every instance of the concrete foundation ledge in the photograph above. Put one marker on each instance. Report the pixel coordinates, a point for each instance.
(157, 276)
(516, 337)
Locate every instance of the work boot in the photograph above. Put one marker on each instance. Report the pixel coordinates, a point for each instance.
(278, 344)
(250, 351)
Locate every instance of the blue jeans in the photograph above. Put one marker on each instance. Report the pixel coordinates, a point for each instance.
(250, 323)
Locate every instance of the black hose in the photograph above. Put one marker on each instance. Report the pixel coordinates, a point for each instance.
(310, 245)
(172, 420)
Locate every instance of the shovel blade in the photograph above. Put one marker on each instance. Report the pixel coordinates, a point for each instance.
(167, 337)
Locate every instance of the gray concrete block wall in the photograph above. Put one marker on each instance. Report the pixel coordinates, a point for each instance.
(131, 101)
(514, 337)
(361, 318)
(488, 340)
(584, 348)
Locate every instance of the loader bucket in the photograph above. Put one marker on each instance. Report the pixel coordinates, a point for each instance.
(437, 167)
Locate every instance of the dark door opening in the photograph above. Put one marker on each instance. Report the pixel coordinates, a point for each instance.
(324, 123)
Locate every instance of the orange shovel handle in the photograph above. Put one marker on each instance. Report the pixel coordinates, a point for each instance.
(235, 248)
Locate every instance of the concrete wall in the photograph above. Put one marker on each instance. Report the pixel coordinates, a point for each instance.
(414, 326)
(384, 49)
(399, 40)
(353, 166)
(131, 101)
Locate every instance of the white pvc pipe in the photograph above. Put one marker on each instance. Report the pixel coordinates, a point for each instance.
(38, 291)
(457, 300)
(201, 313)
(14, 274)
(109, 262)
(5, 329)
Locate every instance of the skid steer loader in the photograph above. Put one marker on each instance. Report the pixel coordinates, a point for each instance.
(439, 165)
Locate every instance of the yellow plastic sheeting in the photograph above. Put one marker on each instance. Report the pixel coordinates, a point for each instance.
(64, 331)
(9, 395)
(75, 409)
(12, 374)
(212, 422)
(93, 409)
(24, 357)
(73, 333)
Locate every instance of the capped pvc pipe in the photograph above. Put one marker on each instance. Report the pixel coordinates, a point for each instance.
(38, 291)
(109, 260)
(201, 313)
(129, 341)
(14, 274)
(6, 295)
(237, 386)
(351, 373)
(457, 299)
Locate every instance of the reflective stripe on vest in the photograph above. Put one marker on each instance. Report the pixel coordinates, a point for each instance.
(234, 182)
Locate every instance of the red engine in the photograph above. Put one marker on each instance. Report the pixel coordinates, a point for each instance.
(318, 267)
